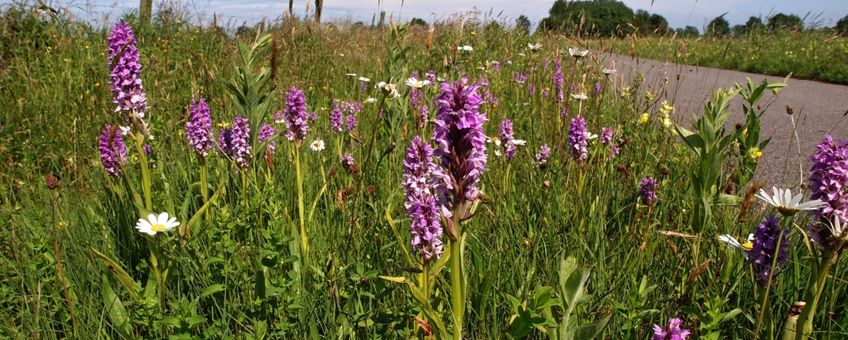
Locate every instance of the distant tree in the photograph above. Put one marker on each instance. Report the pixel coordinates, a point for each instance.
(418, 22)
(738, 30)
(601, 17)
(688, 32)
(522, 23)
(754, 24)
(842, 25)
(646, 23)
(718, 27)
(781, 22)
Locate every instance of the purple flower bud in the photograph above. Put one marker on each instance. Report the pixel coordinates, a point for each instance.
(767, 236)
(336, 118)
(672, 332)
(419, 175)
(198, 128)
(578, 139)
(606, 136)
(113, 152)
(348, 163)
(543, 156)
(829, 178)
(507, 138)
(266, 132)
(648, 190)
(460, 141)
(234, 142)
(295, 117)
(125, 76)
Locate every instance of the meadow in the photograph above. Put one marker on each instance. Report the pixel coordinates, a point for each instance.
(809, 54)
(341, 181)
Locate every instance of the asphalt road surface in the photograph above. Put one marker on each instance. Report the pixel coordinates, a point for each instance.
(818, 109)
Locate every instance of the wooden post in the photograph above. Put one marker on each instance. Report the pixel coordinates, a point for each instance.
(145, 11)
(319, 6)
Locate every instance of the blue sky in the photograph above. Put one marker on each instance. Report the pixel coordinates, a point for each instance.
(678, 12)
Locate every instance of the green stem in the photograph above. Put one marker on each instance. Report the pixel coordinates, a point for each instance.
(457, 296)
(204, 181)
(768, 286)
(304, 239)
(814, 293)
(145, 172)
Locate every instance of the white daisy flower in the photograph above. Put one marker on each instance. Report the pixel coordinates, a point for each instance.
(579, 96)
(785, 203)
(417, 83)
(498, 152)
(351, 74)
(317, 145)
(465, 48)
(380, 85)
(732, 242)
(520, 54)
(609, 71)
(125, 130)
(838, 228)
(371, 100)
(364, 80)
(519, 142)
(156, 224)
(576, 52)
(534, 47)
(341, 54)
(591, 136)
(391, 90)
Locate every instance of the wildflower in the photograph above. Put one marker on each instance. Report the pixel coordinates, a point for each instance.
(431, 76)
(266, 131)
(614, 150)
(496, 65)
(460, 142)
(609, 71)
(420, 203)
(465, 48)
(606, 136)
(295, 116)
(113, 151)
(370, 100)
(543, 156)
(576, 52)
(648, 190)
(127, 91)
(579, 96)
(559, 79)
(829, 177)
(671, 332)
(665, 113)
(732, 242)
(767, 237)
(348, 163)
(645, 118)
(786, 204)
(317, 145)
(534, 47)
(415, 83)
(755, 153)
(239, 144)
(507, 138)
(363, 79)
(198, 128)
(837, 228)
(156, 224)
(351, 122)
(577, 139)
(336, 118)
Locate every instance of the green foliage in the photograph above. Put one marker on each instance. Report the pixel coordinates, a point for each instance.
(595, 17)
(522, 24)
(842, 26)
(718, 27)
(783, 22)
(646, 23)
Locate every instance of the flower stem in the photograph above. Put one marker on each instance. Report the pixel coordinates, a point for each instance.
(764, 305)
(145, 172)
(457, 296)
(814, 293)
(304, 239)
(204, 181)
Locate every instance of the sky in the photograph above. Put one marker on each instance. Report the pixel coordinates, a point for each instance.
(679, 13)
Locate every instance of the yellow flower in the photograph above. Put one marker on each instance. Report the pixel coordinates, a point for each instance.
(645, 118)
(755, 153)
(666, 108)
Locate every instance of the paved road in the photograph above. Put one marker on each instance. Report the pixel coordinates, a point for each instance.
(819, 108)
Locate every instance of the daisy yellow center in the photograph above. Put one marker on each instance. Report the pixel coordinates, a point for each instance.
(157, 227)
(747, 245)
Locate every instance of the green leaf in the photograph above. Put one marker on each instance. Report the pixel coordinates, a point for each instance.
(115, 309)
(123, 277)
(215, 288)
(395, 279)
(590, 331)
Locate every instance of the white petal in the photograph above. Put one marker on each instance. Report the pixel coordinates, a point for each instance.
(163, 218)
(151, 218)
